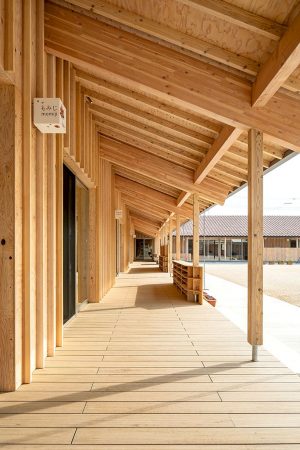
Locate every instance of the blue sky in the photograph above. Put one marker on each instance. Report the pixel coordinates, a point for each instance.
(281, 193)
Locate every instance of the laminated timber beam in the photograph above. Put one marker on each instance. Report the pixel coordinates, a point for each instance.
(151, 144)
(142, 230)
(146, 221)
(239, 16)
(109, 102)
(155, 167)
(170, 36)
(135, 211)
(223, 142)
(144, 225)
(95, 47)
(183, 197)
(148, 130)
(144, 208)
(281, 64)
(151, 196)
(163, 110)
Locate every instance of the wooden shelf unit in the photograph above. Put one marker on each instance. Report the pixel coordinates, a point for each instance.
(189, 280)
(163, 263)
(163, 258)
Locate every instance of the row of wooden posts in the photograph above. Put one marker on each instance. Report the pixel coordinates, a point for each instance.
(255, 238)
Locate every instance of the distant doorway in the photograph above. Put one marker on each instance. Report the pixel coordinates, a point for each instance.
(144, 249)
(69, 244)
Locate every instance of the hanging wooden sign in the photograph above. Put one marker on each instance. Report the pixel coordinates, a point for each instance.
(118, 214)
(49, 115)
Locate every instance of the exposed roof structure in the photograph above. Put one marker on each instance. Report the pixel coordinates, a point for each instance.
(236, 226)
(172, 87)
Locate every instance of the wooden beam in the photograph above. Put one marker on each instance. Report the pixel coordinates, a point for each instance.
(145, 223)
(155, 167)
(144, 209)
(223, 142)
(196, 230)
(149, 222)
(151, 196)
(162, 110)
(183, 197)
(178, 254)
(182, 41)
(72, 36)
(239, 16)
(277, 69)
(152, 144)
(135, 211)
(112, 99)
(144, 228)
(255, 239)
(139, 229)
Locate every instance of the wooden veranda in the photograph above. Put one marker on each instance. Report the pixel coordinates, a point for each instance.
(172, 105)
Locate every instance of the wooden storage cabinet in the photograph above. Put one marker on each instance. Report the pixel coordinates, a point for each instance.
(189, 280)
(163, 258)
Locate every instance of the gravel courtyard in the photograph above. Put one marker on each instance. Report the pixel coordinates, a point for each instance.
(280, 281)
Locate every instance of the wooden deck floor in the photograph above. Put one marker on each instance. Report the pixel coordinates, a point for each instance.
(147, 370)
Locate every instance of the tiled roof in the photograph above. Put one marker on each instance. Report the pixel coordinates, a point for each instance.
(236, 226)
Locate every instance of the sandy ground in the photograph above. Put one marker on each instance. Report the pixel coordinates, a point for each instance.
(280, 281)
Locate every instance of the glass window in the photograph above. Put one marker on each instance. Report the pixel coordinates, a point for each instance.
(237, 253)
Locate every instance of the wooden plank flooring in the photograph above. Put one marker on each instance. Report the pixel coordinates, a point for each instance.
(145, 369)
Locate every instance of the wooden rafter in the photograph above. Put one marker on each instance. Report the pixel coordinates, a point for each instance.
(239, 16)
(144, 210)
(183, 197)
(189, 44)
(151, 144)
(156, 168)
(178, 116)
(160, 124)
(148, 127)
(281, 64)
(151, 196)
(224, 141)
(146, 220)
(230, 104)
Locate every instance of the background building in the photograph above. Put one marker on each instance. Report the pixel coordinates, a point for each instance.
(224, 238)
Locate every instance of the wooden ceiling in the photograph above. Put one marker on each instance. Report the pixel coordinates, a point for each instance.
(173, 87)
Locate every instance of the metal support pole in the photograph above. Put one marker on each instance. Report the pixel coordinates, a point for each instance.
(254, 353)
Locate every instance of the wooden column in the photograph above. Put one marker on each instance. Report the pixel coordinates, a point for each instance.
(93, 246)
(59, 213)
(255, 240)
(178, 253)
(170, 247)
(29, 194)
(51, 218)
(41, 203)
(10, 238)
(196, 230)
